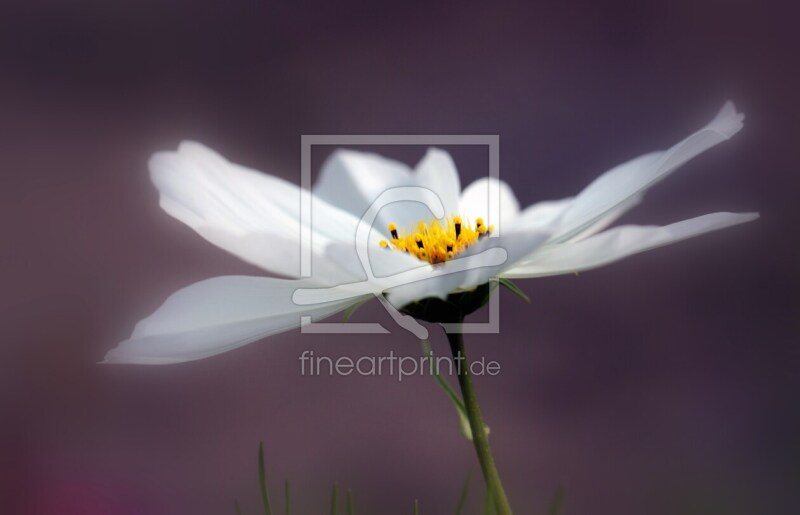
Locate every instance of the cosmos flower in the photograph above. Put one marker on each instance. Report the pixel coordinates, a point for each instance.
(430, 240)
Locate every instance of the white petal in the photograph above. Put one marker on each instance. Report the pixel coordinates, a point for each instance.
(354, 180)
(542, 214)
(252, 215)
(618, 243)
(547, 213)
(437, 172)
(386, 269)
(609, 218)
(218, 315)
(629, 179)
(380, 261)
(490, 199)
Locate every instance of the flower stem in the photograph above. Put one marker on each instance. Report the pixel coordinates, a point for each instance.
(479, 436)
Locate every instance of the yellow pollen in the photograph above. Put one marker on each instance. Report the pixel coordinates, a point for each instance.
(437, 241)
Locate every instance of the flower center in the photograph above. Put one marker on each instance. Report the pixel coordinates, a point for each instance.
(435, 241)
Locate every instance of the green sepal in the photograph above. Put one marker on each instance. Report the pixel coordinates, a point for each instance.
(352, 309)
(513, 288)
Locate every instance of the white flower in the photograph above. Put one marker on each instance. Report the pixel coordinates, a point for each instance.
(257, 218)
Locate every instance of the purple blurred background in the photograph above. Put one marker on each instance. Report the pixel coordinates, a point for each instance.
(665, 384)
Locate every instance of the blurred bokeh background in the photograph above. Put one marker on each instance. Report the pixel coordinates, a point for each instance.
(664, 384)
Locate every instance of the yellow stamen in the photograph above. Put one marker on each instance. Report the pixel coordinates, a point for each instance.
(437, 241)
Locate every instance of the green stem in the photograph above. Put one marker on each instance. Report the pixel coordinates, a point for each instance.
(479, 436)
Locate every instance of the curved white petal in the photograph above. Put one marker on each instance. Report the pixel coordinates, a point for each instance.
(353, 180)
(632, 178)
(547, 213)
(380, 261)
(252, 215)
(479, 198)
(542, 213)
(611, 216)
(218, 315)
(437, 172)
(618, 243)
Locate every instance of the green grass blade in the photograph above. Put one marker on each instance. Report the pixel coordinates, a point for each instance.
(557, 504)
(349, 503)
(461, 410)
(334, 500)
(286, 495)
(462, 499)
(262, 480)
(488, 501)
(416, 506)
(445, 386)
(236, 507)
